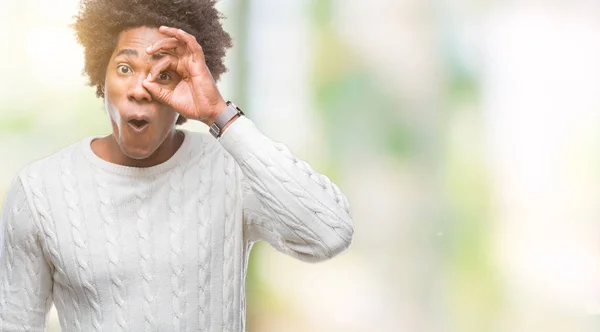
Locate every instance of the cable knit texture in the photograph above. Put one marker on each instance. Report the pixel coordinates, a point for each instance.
(163, 248)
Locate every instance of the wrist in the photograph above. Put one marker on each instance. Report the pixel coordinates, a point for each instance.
(229, 123)
(226, 116)
(219, 108)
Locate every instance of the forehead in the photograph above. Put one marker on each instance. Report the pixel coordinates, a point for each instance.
(138, 38)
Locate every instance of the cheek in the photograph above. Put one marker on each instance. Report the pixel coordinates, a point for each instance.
(111, 110)
(112, 96)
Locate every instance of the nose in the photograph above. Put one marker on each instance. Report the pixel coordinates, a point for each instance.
(137, 92)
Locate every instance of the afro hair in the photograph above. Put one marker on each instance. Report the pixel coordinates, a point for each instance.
(99, 23)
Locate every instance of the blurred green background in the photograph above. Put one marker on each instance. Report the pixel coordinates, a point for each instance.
(465, 134)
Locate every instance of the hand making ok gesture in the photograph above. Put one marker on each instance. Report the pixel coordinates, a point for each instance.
(196, 96)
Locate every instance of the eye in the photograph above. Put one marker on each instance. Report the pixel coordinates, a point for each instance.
(164, 76)
(123, 69)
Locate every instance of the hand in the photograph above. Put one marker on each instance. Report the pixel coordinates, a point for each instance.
(196, 96)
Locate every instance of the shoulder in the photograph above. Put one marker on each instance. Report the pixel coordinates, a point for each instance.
(39, 173)
(27, 189)
(207, 152)
(49, 165)
(203, 145)
(198, 138)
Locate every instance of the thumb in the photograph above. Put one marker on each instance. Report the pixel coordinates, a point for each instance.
(158, 92)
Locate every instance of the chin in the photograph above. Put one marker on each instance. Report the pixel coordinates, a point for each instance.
(138, 153)
(136, 147)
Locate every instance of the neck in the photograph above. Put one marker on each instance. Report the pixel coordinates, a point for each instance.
(108, 149)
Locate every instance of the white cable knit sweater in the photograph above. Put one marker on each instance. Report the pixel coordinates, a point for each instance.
(163, 248)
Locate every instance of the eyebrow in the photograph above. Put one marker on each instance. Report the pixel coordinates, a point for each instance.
(129, 51)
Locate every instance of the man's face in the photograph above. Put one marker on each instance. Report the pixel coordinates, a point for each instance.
(140, 123)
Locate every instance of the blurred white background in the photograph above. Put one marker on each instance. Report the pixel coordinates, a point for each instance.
(466, 135)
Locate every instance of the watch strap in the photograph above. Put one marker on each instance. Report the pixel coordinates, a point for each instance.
(228, 113)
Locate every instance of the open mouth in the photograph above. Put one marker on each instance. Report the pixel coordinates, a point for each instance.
(138, 125)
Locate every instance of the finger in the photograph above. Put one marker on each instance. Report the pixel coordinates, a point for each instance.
(167, 44)
(177, 33)
(188, 39)
(168, 62)
(158, 92)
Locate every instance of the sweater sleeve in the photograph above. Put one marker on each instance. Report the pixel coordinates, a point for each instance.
(286, 203)
(25, 275)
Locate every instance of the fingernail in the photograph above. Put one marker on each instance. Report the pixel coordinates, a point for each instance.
(149, 77)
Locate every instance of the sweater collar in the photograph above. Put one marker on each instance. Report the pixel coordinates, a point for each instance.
(177, 158)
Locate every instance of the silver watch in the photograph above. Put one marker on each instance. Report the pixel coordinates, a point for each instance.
(228, 113)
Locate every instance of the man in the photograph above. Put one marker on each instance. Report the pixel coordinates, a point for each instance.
(149, 228)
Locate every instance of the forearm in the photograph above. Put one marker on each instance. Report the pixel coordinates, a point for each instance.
(308, 212)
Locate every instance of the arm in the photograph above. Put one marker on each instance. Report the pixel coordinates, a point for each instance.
(25, 276)
(286, 203)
